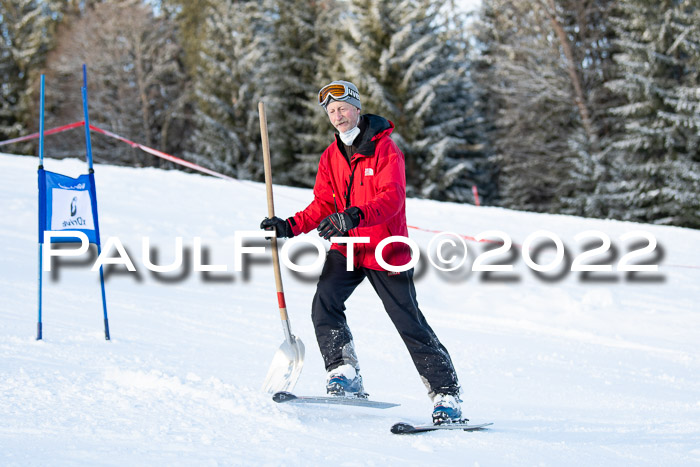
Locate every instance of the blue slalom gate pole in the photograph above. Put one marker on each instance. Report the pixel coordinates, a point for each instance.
(94, 196)
(41, 124)
(87, 121)
(104, 297)
(41, 234)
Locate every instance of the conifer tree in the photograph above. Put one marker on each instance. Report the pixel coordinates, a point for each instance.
(226, 121)
(260, 51)
(191, 19)
(288, 86)
(26, 32)
(585, 30)
(654, 158)
(544, 65)
(657, 171)
(137, 84)
(329, 35)
(524, 76)
(410, 68)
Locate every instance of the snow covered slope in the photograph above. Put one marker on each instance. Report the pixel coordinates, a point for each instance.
(575, 369)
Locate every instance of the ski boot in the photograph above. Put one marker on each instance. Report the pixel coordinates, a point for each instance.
(446, 409)
(345, 381)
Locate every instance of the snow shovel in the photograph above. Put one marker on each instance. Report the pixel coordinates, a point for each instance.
(289, 358)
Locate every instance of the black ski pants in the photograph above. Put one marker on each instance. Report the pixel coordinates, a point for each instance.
(398, 295)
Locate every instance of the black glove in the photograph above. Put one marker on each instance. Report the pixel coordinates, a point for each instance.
(338, 224)
(281, 226)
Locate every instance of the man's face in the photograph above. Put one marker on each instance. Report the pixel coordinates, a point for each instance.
(343, 116)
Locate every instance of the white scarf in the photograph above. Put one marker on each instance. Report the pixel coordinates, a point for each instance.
(349, 136)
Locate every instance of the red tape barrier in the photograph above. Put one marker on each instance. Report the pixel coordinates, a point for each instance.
(466, 237)
(161, 154)
(52, 131)
(155, 152)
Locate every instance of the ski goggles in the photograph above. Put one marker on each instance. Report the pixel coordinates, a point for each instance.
(340, 91)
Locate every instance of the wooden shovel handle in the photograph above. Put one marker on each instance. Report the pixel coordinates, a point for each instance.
(271, 210)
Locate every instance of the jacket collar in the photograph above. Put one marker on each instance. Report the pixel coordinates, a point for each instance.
(372, 128)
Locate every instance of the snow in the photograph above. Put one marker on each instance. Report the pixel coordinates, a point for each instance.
(572, 369)
(469, 5)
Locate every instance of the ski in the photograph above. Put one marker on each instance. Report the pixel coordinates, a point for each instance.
(284, 396)
(407, 429)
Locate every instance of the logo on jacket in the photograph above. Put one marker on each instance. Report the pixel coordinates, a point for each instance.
(369, 172)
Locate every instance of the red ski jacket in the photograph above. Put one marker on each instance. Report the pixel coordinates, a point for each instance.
(375, 181)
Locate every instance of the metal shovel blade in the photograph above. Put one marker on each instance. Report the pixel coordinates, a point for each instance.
(286, 367)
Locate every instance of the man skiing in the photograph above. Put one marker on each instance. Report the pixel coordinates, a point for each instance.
(360, 191)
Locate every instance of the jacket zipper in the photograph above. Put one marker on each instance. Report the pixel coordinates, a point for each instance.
(349, 186)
